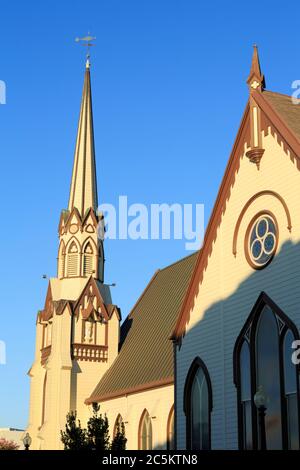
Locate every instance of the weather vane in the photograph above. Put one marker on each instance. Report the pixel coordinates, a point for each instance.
(87, 41)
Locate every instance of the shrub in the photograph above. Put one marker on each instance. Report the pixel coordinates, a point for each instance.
(8, 445)
(74, 437)
(119, 441)
(97, 431)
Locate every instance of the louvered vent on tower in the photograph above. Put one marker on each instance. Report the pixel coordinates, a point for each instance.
(72, 267)
(88, 260)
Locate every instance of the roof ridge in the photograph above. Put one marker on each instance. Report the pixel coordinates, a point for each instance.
(263, 101)
(152, 279)
(277, 93)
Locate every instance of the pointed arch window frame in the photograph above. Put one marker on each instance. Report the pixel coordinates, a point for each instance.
(140, 429)
(248, 333)
(118, 422)
(61, 260)
(73, 241)
(196, 364)
(94, 255)
(171, 429)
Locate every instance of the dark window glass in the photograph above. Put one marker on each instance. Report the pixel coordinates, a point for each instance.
(262, 240)
(268, 375)
(199, 412)
(246, 395)
(290, 377)
(290, 386)
(247, 425)
(262, 228)
(265, 353)
(269, 243)
(256, 249)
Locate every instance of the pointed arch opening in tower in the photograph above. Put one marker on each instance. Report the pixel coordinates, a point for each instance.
(61, 260)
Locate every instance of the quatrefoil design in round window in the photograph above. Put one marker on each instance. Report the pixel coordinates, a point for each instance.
(261, 240)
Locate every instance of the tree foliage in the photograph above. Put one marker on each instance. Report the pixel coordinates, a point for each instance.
(98, 431)
(95, 436)
(119, 441)
(74, 437)
(8, 445)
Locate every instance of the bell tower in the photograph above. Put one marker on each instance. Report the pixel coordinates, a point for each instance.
(77, 332)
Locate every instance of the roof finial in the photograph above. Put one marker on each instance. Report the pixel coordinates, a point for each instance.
(256, 80)
(87, 41)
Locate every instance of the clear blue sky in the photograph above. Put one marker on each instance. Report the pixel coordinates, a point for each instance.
(169, 91)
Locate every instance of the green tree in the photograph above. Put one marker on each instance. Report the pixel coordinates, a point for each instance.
(119, 441)
(98, 431)
(74, 437)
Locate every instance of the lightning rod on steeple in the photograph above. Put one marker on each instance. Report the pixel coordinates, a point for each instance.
(87, 42)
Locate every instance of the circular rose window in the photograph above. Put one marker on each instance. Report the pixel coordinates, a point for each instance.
(261, 240)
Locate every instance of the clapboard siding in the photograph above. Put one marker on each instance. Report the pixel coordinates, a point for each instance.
(230, 287)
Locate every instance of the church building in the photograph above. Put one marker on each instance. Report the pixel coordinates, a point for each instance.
(237, 374)
(82, 353)
(223, 373)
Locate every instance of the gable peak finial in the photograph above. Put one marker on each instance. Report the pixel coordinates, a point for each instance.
(256, 79)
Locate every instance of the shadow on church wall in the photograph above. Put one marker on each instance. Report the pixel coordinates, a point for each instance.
(213, 338)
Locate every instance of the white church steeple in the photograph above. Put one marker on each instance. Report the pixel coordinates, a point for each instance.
(80, 251)
(83, 193)
(78, 330)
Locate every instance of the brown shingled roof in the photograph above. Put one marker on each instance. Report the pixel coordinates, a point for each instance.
(285, 107)
(145, 359)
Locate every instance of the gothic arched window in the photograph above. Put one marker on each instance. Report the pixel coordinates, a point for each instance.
(290, 392)
(198, 406)
(145, 432)
(72, 260)
(119, 424)
(263, 358)
(246, 395)
(88, 260)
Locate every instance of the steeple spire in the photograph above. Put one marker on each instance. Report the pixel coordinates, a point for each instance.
(256, 80)
(83, 194)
